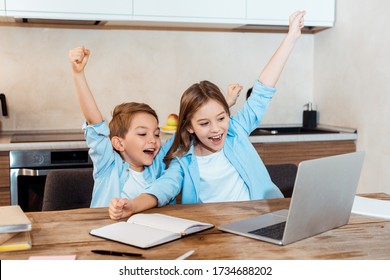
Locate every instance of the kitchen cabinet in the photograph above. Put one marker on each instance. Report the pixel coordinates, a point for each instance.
(71, 9)
(277, 12)
(295, 152)
(243, 13)
(5, 194)
(223, 14)
(212, 11)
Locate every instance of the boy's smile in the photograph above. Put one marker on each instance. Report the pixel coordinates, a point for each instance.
(142, 141)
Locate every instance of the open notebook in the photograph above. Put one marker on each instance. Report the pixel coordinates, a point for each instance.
(148, 230)
(322, 199)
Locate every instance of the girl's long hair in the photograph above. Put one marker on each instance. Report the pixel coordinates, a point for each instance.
(191, 101)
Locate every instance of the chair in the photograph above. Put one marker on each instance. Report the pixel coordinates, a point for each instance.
(68, 189)
(283, 176)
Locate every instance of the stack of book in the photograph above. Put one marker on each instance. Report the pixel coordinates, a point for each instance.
(15, 229)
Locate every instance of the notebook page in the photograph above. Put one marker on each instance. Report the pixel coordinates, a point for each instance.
(161, 221)
(134, 234)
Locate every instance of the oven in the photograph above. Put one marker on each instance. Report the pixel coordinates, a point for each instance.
(28, 170)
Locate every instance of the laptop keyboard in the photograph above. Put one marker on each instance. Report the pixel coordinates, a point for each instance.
(274, 231)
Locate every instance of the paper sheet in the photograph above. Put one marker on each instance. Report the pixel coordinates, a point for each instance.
(371, 207)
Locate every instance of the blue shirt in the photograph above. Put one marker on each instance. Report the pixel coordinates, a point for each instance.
(183, 173)
(110, 171)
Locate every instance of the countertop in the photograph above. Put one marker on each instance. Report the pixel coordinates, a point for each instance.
(6, 136)
(343, 133)
(6, 145)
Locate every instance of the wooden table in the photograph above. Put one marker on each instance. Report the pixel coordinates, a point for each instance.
(67, 233)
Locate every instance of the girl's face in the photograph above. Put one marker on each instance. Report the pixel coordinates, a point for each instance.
(210, 125)
(142, 141)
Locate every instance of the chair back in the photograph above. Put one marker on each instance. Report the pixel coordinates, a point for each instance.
(68, 189)
(283, 176)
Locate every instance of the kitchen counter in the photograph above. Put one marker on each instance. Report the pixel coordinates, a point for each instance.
(6, 138)
(6, 145)
(335, 134)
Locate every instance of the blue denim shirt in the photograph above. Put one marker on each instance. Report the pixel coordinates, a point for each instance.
(183, 172)
(110, 171)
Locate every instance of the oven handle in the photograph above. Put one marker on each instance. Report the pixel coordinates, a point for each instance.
(33, 172)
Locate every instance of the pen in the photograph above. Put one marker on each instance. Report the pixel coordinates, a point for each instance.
(116, 253)
(185, 255)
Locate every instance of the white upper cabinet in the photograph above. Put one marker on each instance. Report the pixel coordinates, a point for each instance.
(241, 14)
(71, 9)
(211, 11)
(277, 12)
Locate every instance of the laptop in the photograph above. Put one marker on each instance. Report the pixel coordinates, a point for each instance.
(322, 199)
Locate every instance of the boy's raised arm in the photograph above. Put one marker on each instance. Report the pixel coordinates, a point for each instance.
(271, 73)
(78, 59)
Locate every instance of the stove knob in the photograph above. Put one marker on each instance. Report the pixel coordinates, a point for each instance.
(38, 159)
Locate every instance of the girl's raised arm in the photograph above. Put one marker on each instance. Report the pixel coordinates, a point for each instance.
(271, 72)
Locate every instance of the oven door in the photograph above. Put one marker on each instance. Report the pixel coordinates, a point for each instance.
(27, 188)
(29, 169)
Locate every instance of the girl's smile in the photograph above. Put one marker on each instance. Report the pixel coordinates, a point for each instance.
(209, 124)
(216, 139)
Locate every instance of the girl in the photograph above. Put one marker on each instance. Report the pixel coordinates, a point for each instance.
(126, 153)
(211, 158)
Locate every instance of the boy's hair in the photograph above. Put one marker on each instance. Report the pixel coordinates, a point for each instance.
(123, 115)
(191, 101)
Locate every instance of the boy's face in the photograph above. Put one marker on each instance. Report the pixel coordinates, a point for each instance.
(142, 141)
(210, 125)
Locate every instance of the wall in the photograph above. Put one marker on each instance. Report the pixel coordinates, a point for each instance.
(352, 83)
(138, 65)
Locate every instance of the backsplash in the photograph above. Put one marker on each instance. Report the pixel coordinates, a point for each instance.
(154, 67)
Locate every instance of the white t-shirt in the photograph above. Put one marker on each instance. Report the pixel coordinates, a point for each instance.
(219, 180)
(134, 185)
